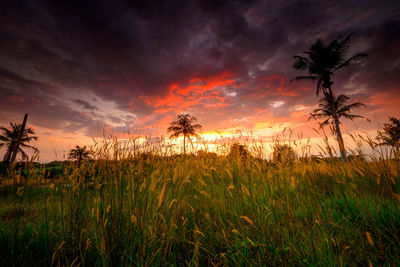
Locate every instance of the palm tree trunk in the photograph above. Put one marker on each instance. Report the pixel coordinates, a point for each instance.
(339, 138)
(329, 95)
(184, 144)
(18, 141)
(80, 158)
(7, 155)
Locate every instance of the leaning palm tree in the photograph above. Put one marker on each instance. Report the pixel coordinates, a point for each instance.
(80, 153)
(335, 106)
(185, 125)
(321, 61)
(9, 138)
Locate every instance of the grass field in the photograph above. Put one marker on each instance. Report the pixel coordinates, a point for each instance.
(203, 210)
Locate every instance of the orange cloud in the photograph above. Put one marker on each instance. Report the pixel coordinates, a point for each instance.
(206, 90)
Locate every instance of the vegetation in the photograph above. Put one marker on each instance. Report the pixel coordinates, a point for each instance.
(80, 153)
(390, 134)
(337, 106)
(321, 61)
(238, 150)
(9, 139)
(157, 208)
(141, 205)
(185, 125)
(283, 153)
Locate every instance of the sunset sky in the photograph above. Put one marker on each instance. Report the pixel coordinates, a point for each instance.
(84, 68)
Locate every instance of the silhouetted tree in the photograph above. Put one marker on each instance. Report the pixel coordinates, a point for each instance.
(321, 61)
(80, 153)
(327, 109)
(185, 125)
(10, 136)
(240, 152)
(283, 153)
(390, 134)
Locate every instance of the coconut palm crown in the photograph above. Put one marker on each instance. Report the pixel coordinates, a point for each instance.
(9, 136)
(322, 60)
(184, 125)
(80, 153)
(326, 110)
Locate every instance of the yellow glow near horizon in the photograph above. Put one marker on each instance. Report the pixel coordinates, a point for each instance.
(215, 135)
(57, 147)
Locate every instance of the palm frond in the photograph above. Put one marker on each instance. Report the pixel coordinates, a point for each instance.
(29, 146)
(29, 138)
(351, 59)
(4, 138)
(197, 126)
(174, 128)
(324, 123)
(356, 105)
(7, 155)
(352, 117)
(342, 99)
(24, 155)
(301, 63)
(331, 105)
(176, 134)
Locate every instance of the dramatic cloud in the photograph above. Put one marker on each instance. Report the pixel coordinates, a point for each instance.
(85, 67)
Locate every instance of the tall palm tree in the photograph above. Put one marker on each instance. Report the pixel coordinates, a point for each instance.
(321, 61)
(185, 125)
(80, 153)
(9, 138)
(335, 106)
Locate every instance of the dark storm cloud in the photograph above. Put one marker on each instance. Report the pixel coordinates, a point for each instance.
(131, 52)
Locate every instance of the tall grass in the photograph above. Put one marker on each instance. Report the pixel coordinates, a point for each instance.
(155, 208)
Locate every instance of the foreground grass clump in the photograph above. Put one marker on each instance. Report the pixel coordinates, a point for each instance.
(204, 210)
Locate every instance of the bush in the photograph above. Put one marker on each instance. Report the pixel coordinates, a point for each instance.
(283, 154)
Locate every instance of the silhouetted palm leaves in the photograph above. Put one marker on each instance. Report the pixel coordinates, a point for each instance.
(80, 153)
(9, 137)
(321, 61)
(390, 134)
(338, 106)
(185, 125)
